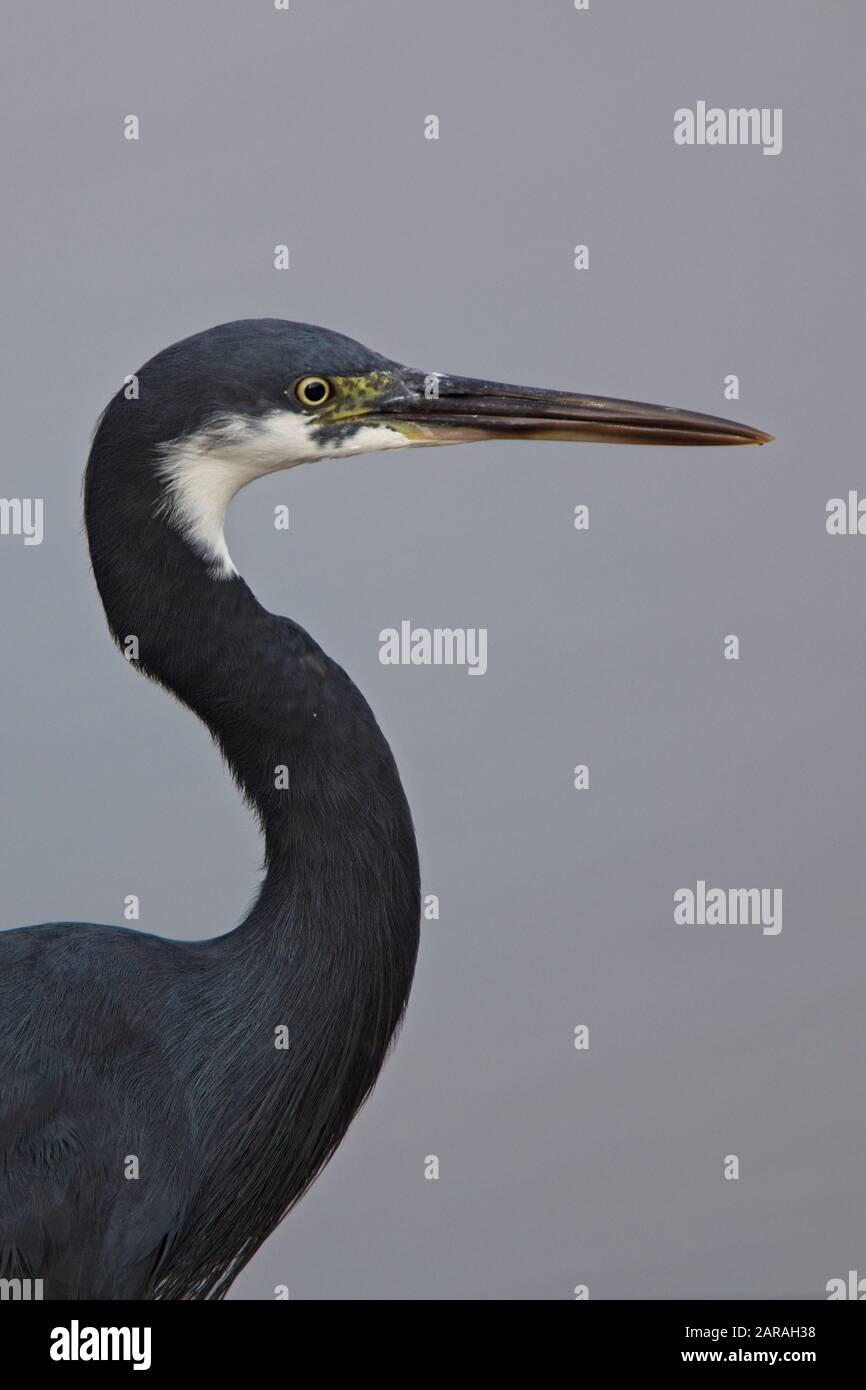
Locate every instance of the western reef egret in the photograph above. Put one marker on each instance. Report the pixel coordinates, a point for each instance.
(152, 1133)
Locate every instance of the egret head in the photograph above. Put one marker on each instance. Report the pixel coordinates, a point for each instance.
(219, 409)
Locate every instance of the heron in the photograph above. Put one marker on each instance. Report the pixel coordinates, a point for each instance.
(163, 1102)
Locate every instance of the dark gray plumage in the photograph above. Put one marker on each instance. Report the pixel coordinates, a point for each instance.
(118, 1046)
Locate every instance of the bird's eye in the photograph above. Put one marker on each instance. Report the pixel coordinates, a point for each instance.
(313, 391)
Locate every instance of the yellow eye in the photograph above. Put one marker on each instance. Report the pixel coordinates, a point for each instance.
(313, 391)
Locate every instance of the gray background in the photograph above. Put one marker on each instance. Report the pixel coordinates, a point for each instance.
(257, 127)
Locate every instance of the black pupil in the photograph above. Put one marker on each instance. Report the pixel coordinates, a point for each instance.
(315, 391)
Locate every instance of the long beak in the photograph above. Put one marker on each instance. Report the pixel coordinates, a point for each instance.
(449, 409)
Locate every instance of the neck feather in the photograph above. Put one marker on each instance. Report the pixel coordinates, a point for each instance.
(328, 949)
(299, 737)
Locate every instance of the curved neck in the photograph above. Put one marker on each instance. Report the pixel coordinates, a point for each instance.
(328, 949)
(299, 737)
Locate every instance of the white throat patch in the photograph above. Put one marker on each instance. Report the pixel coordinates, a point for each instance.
(203, 471)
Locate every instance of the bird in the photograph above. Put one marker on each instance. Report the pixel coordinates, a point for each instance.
(163, 1102)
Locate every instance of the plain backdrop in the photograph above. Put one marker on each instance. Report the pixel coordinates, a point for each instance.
(558, 1167)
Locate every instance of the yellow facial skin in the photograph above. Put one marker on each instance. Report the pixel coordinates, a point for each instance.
(353, 403)
(354, 395)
